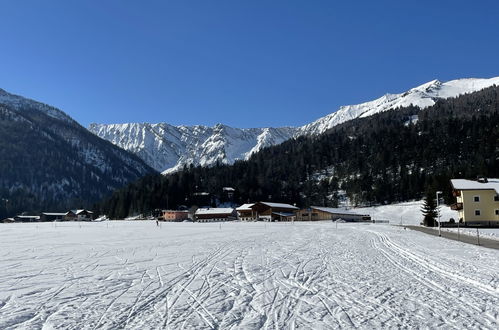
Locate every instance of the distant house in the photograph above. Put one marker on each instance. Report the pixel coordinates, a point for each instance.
(8, 220)
(27, 218)
(246, 213)
(316, 213)
(175, 216)
(47, 216)
(269, 211)
(477, 201)
(228, 193)
(215, 214)
(79, 215)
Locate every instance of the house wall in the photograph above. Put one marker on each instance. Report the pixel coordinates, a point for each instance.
(175, 216)
(318, 215)
(312, 215)
(486, 205)
(246, 215)
(215, 217)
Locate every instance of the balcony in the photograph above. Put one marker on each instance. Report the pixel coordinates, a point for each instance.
(456, 206)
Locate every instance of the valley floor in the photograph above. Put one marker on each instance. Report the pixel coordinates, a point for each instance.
(242, 275)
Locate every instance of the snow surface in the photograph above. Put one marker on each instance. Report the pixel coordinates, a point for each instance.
(120, 274)
(168, 148)
(409, 213)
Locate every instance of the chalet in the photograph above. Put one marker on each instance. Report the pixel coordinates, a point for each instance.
(268, 211)
(47, 216)
(8, 220)
(246, 213)
(215, 214)
(477, 201)
(175, 216)
(79, 215)
(316, 213)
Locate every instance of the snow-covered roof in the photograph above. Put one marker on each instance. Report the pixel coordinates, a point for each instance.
(28, 217)
(215, 210)
(463, 184)
(279, 205)
(57, 214)
(334, 210)
(245, 207)
(80, 211)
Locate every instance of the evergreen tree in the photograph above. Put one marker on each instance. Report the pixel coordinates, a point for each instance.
(429, 210)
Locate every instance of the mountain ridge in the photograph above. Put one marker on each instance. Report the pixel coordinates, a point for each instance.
(50, 162)
(169, 148)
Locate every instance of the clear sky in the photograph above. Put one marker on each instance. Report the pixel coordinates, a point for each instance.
(245, 63)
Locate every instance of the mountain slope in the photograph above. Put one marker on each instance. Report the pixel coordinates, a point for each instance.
(385, 158)
(48, 161)
(169, 148)
(422, 97)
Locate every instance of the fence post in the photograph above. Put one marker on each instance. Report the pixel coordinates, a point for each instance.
(458, 237)
(478, 236)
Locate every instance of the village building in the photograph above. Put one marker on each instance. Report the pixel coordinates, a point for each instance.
(317, 213)
(175, 216)
(79, 215)
(215, 214)
(27, 218)
(246, 213)
(47, 216)
(477, 201)
(269, 211)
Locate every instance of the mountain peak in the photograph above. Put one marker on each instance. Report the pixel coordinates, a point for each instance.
(168, 148)
(421, 96)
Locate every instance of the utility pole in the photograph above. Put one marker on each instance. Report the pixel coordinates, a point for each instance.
(438, 214)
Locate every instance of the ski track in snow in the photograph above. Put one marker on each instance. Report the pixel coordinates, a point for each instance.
(135, 275)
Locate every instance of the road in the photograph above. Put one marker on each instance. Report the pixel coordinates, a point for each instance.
(469, 239)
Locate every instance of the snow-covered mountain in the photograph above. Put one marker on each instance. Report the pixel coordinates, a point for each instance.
(422, 96)
(21, 103)
(168, 148)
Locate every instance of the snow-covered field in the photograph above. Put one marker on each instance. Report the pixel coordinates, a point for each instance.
(242, 275)
(409, 213)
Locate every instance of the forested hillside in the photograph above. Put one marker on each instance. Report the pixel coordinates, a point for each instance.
(389, 157)
(48, 162)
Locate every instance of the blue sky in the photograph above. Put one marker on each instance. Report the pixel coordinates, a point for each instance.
(245, 63)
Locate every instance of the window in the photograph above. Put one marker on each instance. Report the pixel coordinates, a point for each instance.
(497, 212)
(477, 212)
(476, 198)
(496, 198)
